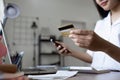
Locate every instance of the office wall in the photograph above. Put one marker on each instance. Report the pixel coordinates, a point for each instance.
(51, 13)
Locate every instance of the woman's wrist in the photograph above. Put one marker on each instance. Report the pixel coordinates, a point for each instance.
(106, 47)
(109, 47)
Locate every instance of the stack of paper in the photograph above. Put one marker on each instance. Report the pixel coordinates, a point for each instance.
(60, 75)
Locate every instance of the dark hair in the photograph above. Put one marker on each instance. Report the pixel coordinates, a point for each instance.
(101, 11)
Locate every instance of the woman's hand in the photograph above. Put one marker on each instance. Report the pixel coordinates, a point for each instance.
(62, 48)
(87, 39)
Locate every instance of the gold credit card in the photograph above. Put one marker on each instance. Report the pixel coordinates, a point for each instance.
(66, 29)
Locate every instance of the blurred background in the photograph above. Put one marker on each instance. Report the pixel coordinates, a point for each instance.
(39, 21)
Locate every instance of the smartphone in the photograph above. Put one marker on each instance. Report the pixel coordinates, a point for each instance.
(53, 41)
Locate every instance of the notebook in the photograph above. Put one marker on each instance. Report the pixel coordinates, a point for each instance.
(85, 69)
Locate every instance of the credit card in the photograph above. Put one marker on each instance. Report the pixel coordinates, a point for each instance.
(65, 30)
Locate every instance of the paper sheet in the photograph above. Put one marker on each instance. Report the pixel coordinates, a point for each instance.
(60, 75)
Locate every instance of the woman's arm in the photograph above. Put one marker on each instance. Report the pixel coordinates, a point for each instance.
(90, 40)
(82, 56)
(65, 50)
(112, 50)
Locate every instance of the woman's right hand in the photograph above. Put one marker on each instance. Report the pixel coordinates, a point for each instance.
(62, 48)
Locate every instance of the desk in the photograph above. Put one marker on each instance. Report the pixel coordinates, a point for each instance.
(105, 76)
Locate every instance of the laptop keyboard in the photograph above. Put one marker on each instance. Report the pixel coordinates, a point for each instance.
(37, 71)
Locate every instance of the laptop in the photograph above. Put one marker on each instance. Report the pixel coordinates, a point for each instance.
(3, 18)
(85, 69)
(2, 24)
(43, 69)
(2, 8)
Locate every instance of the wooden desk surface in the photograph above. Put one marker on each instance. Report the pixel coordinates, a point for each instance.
(104, 76)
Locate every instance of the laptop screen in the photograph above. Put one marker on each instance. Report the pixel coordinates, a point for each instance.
(2, 7)
(7, 58)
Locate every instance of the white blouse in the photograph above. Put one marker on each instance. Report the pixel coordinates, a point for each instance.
(110, 33)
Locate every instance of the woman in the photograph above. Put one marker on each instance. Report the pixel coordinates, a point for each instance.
(103, 43)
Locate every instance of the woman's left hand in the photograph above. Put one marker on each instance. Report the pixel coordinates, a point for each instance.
(87, 39)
